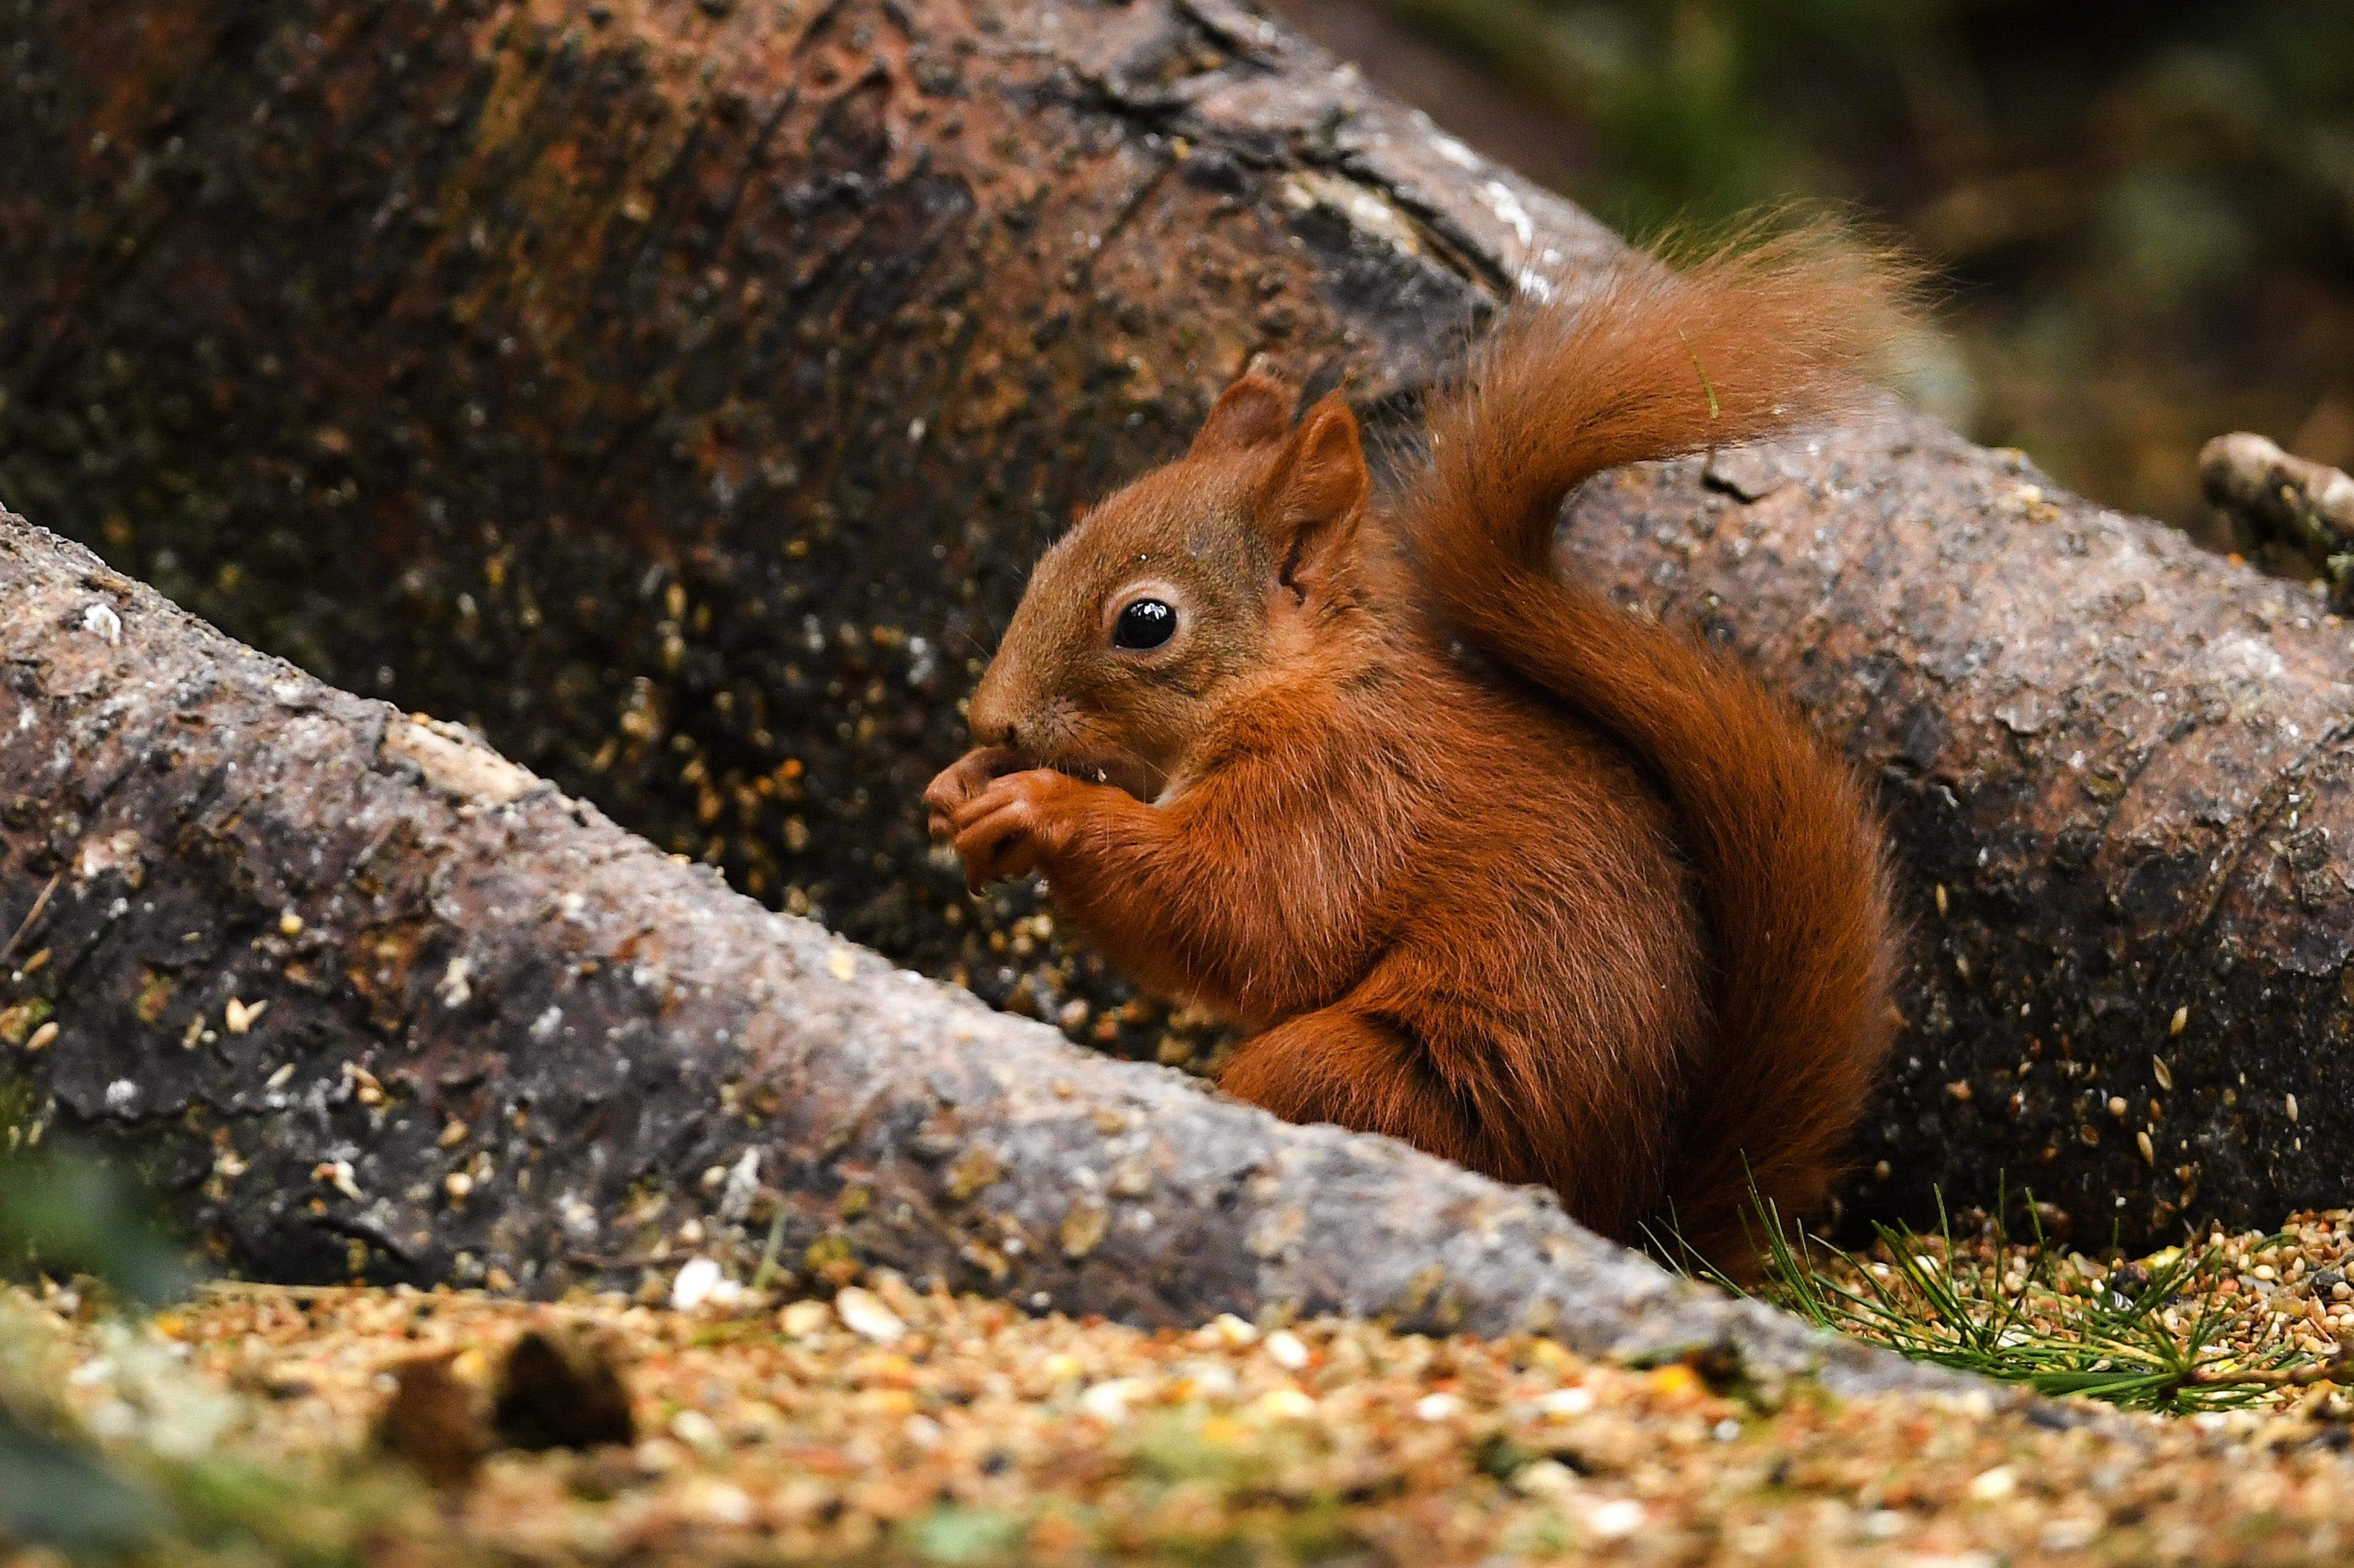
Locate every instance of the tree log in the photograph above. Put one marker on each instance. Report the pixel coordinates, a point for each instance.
(373, 1002)
(2115, 769)
(678, 394)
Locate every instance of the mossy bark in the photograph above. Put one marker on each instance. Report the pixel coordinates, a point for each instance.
(678, 392)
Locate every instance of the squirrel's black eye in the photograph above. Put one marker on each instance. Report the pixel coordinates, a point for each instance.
(1147, 623)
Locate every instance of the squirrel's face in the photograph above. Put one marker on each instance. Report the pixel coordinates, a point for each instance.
(1139, 621)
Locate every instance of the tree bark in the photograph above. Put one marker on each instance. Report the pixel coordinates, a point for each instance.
(2115, 771)
(376, 1003)
(679, 393)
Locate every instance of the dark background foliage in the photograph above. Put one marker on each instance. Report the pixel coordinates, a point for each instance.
(2144, 213)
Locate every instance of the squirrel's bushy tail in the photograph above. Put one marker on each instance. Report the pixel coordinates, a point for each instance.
(1650, 362)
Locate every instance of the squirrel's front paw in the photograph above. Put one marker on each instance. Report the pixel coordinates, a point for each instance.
(1013, 824)
(956, 785)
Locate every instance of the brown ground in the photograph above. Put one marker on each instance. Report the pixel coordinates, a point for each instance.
(884, 1425)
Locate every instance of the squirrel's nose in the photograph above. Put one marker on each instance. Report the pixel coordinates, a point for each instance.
(991, 721)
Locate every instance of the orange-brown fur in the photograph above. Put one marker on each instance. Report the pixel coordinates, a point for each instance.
(1587, 906)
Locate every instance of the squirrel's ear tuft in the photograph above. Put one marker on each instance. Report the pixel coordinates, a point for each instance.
(1313, 494)
(1252, 412)
(1320, 476)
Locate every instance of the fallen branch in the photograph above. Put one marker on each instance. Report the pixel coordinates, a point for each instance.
(374, 1003)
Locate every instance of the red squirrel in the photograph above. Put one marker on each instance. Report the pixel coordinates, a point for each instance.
(1481, 860)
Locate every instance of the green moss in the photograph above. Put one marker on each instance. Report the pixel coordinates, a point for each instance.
(957, 1536)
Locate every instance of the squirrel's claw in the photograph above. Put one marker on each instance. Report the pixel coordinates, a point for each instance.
(997, 845)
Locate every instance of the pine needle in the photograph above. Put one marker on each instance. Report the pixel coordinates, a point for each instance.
(2060, 1325)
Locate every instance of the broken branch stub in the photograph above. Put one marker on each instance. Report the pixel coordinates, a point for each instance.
(373, 1002)
(2284, 501)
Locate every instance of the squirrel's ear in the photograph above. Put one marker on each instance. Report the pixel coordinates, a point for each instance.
(1254, 411)
(1313, 495)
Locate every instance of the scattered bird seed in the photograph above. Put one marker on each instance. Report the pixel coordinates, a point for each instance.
(864, 1314)
(1283, 1346)
(985, 1434)
(696, 1279)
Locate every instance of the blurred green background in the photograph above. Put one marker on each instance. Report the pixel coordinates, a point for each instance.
(2143, 213)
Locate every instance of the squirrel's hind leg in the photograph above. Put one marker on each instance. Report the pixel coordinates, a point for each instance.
(1359, 1071)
